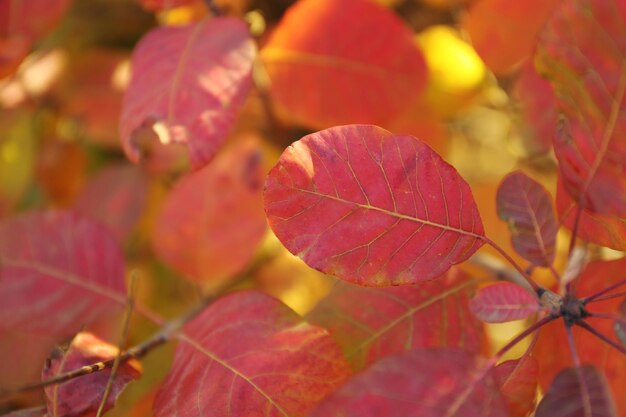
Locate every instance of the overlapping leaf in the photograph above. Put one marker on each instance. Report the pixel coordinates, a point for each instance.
(82, 397)
(213, 219)
(552, 338)
(566, 397)
(249, 355)
(502, 302)
(581, 51)
(527, 206)
(328, 66)
(421, 382)
(188, 85)
(371, 207)
(371, 323)
(58, 272)
(518, 383)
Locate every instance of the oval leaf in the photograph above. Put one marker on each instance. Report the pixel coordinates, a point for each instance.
(518, 383)
(422, 382)
(213, 219)
(567, 398)
(527, 206)
(502, 302)
(351, 73)
(249, 355)
(590, 85)
(371, 207)
(188, 84)
(371, 323)
(58, 273)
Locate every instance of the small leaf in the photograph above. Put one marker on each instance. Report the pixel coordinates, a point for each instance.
(82, 397)
(188, 85)
(421, 382)
(566, 397)
(502, 302)
(582, 53)
(249, 355)
(212, 220)
(620, 326)
(58, 272)
(518, 383)
(371, 207)
(386, 321)
(352, 74)
(527, 206)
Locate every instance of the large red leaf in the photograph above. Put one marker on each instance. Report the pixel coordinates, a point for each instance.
(213, 219)
(59, 272)
(422, 382)
(550, 351)
(371, 207)
(82, 397)
(527, 206)
(582, 52)
(602, 229)
(504, 302)
(188, 85)
(371, 323)
(328, 66)
(518, 383)
(249, 355)
(504, 32)
(567, 398)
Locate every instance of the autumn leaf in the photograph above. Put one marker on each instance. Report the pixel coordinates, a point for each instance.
(371, 207)
(587, 70)
(517, 379)
(502, 302)
(527, 207)
(188, 85)
(386, 321)
(249, 355)
(421, 382)
(327, 66)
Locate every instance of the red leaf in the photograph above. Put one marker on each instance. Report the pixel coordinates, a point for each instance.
(371, 323)
(604, 230)
(502, 302)
(188, 85)
(549, 349)
(527, 206)
(249, 355)
(81, 397)
(518, 383)
(581, 51)
(59, 272)
(422, 382)
(213, 219)
(371, 207)
(115, 196)
(566, 397)
(504, 32)
(352, 73)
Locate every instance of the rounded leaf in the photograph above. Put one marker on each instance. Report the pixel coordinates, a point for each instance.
(371, 207)
(502, 302)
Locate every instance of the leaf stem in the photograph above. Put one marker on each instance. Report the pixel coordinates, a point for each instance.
(536, 288)
(610, 296)
(594, 297)
(521, 336)
(584, 391)
(601, 336)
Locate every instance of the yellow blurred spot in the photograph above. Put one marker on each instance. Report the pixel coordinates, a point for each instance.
(162, 132)
(182, 15)
(9, 152)
(256, 21)
(121, 75)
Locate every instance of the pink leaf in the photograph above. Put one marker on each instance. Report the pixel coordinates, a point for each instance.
(503, 302)
(422, 382)
(371, 207)
(527, 206)
(249, 355)
(566, 397)
(582, 52)
(81, 397)
(115, 196)
(188, 85)
(59, 272)
(371, 323)
(213, 219)
(518, 383)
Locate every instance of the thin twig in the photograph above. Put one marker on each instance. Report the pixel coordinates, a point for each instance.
(536, 288)
(578, 369)
(601, 336)
(121, 344)
(500, 270)
(610, 296)
(594, 297)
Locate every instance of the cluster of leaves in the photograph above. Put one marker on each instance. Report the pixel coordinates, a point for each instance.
(209, 99)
